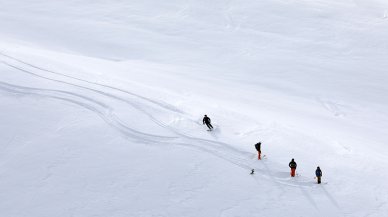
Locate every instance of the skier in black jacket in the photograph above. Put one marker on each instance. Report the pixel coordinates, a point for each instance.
(206, 120)
(258, 148)
(318, 174)
(292, 165)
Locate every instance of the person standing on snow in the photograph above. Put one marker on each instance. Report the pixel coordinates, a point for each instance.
(292, 165)
(318, 174)
(258, 148)
(206, 120)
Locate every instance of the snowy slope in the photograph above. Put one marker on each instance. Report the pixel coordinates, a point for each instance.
(102, 103)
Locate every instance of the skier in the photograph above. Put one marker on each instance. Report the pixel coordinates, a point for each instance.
(318, 173)
(258, 148)
(292, 165)
(206, 120)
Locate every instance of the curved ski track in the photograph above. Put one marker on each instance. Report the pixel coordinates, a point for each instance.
(222, 150)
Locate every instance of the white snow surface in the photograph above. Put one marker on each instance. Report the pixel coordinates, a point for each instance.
(102, 103)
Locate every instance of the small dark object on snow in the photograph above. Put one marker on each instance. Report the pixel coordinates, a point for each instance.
(252, 171)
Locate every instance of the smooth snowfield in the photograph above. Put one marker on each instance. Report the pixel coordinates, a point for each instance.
(102, 105)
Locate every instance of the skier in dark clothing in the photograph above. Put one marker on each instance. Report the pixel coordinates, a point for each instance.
(292, 165)
(318, 174)
(206, 120)
(258, 148)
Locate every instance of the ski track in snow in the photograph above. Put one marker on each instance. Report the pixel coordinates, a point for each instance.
(332, 107)
(161, 104)
(221, 150)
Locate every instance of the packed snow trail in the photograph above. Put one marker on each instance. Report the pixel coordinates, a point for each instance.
(140, 108)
